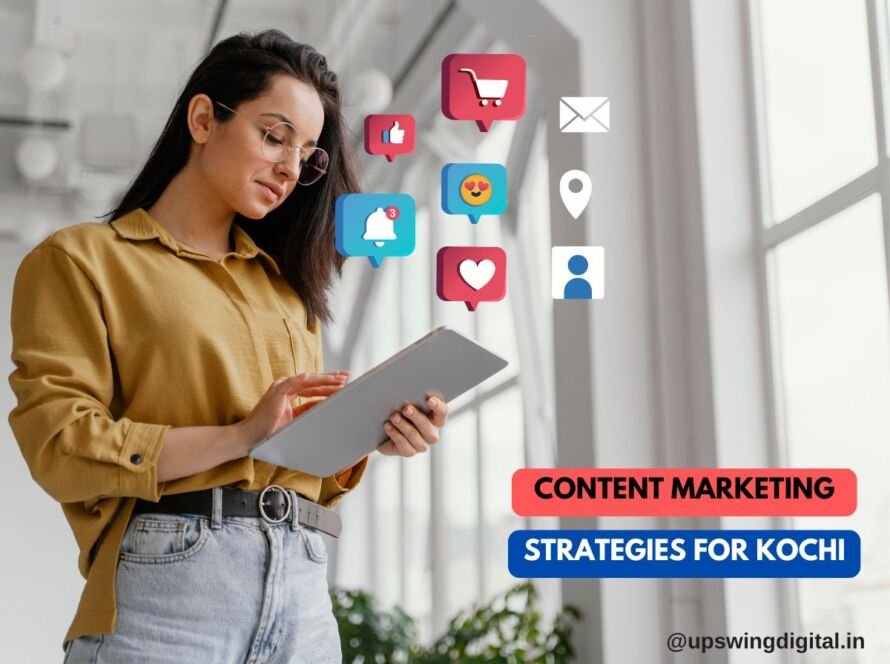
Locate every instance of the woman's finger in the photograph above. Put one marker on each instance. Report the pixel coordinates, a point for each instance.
(303, 407)
(401, 442)
(409, 431)
(312, 377)
(307, 380)
(324, 391)
(438, 411)
(388, 448)
(423, 424)
(403, 447)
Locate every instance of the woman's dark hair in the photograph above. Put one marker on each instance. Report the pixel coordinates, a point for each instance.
(299, 234)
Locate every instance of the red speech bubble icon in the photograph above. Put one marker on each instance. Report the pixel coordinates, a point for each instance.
(483, 87)
(391, 135)
(471, 275)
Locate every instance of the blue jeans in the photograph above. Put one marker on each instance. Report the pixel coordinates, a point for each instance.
(220, 590)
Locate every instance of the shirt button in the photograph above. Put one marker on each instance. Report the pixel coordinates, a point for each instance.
(136, 459)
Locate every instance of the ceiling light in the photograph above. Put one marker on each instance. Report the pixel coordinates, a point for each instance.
(36, 157)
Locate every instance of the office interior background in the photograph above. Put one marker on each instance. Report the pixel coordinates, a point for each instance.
(742, 196)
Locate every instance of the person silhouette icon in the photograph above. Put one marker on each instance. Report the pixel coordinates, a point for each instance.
(578, 288)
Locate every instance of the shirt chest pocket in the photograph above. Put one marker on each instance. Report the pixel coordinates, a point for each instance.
(290, 347)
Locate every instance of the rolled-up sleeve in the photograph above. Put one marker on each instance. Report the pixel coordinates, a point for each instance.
(64, 386)
(334, 487)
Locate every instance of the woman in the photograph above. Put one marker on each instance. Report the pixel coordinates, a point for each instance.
(153, 352)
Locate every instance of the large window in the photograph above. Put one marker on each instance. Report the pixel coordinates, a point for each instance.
(821, 94)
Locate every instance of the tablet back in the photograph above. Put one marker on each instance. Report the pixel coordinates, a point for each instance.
(348, 425)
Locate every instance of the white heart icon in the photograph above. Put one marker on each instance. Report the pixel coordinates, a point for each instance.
(476, 274)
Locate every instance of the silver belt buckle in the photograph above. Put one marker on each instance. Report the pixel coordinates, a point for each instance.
(287, 499)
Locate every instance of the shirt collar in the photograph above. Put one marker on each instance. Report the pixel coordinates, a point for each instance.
(139, 225)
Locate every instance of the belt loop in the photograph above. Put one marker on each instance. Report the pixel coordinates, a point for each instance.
(216, 516)
(295, 509)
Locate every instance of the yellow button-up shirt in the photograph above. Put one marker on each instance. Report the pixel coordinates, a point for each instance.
(119, 333)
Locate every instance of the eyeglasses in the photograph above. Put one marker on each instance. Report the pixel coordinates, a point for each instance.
(279, 142)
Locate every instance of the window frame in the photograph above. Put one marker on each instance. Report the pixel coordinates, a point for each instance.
(772, 233)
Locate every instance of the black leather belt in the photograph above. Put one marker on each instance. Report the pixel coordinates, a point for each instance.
(274, 504)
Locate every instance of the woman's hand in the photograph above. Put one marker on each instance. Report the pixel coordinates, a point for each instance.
(412, 431)
(274, 409)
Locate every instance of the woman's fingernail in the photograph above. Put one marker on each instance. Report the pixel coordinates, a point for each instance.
(387, 426)
(396, 418)
(432, 402)
(407, 410)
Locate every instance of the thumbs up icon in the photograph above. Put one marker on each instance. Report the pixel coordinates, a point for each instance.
(390, 135)
(394, 134)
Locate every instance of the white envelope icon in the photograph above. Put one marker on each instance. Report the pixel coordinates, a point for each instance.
(584, 114)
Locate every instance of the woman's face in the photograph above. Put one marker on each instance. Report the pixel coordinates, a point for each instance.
(232, 158)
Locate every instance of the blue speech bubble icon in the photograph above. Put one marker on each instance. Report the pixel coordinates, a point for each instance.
(474, 189)
(374, 225)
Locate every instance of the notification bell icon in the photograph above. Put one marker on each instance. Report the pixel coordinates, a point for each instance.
(379, 225)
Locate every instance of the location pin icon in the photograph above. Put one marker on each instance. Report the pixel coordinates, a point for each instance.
(575, 201)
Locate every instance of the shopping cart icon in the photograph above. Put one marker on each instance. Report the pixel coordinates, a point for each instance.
(488, 89)
(496, 93)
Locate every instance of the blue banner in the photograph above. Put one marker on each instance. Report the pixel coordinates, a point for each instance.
(684, 553)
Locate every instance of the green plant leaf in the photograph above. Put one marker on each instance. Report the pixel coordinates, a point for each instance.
(507, 630)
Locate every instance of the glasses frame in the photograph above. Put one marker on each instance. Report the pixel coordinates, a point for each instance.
(288, 149)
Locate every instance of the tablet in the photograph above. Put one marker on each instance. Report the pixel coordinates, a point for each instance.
(346, 426)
